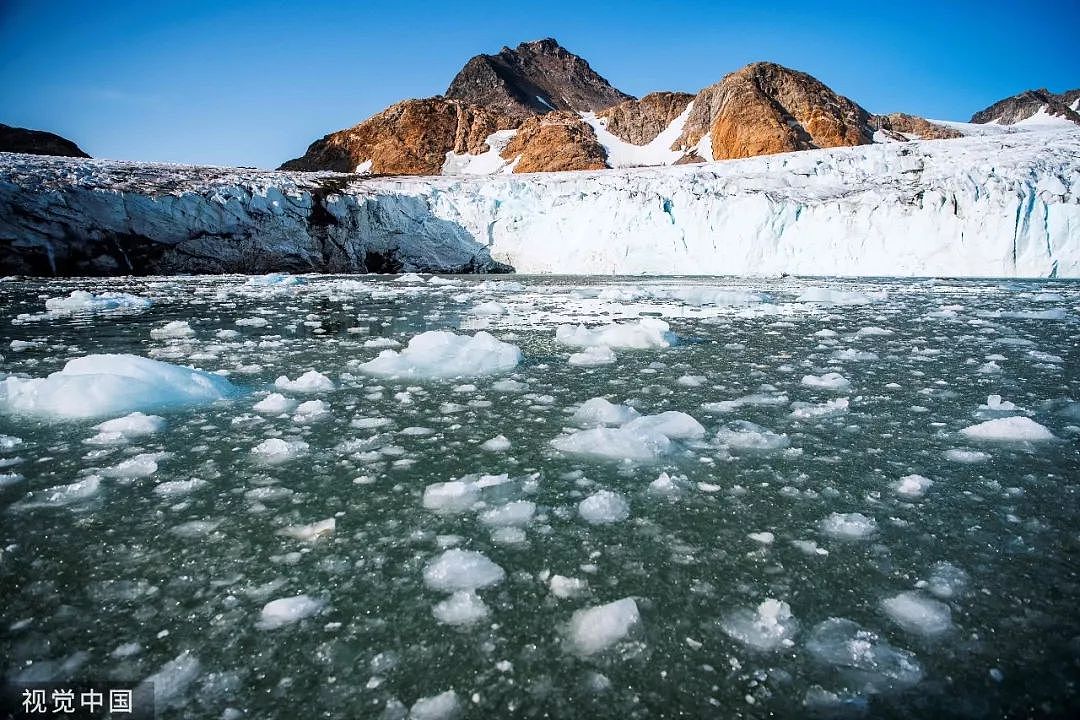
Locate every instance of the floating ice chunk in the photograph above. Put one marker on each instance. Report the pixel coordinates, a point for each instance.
(274, 404)
(849, 526)
(61, 495)
(285, 611)
(195, 528)
(809, 547)
(918, 614)
(665, 485)
(509, 386)
(275, 451)
(765, 538)
(173, 488)
(966, 456)
(103, 385)
(461, 608)
(742, 436)
(946, 581)
(499, 443)
(311, 411)
(828, 381)
(757, 399)
(1009, 429)
(643, 334)
(173, 679)
(256, 321)
(80, 301)
(8, 442)
(593, 357)
(312, 381)
(133, 425)
(462, 570)
(768, 627)
(873, 330)
(311, 532)
(854, 355)
(828, 296)
(691, 380)
(875, 665)
(444, 706)
(805, 411)
(439, 355)
(177, 329)
(137, 466)
(598, 628)
(508, 535)
(9, 479)
(912, 486)
(274, 280)
(671, 424)
(643, 439)
(604, 507)
(515, 513)
(567, 587)
(994, 403)
(489, 309)
(409, 278)
(451, 498)
(599, 411)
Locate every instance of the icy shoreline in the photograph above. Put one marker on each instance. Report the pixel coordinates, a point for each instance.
(1004, 205)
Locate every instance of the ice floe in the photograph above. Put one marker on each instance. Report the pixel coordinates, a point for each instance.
(767, 627)
(456, 570)
(439, 354)
(597, 628)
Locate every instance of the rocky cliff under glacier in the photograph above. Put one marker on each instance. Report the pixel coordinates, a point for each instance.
(1002, 204)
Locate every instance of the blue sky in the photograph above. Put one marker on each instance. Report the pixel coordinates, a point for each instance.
(252, 83)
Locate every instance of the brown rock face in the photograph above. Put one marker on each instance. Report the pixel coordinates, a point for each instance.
(901, 124)
(1024, 105)
(36, 142)
(553, 142)
(640, 121)
(533, 79)
(766, 108)
(409, 138)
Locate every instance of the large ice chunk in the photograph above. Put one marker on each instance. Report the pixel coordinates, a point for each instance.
(918, 614)
(444, 706)
(456, 570)
(767, 627)
(597, 628)
(80, 301)
(604, 507)
(645, 333)
(643, 439)
(440, 354)
(103, 385)
(285, 611)
(1008, 429)
(849, 526)
(871, 663)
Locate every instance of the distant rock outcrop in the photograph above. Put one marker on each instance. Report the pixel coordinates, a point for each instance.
(766, 108)
(1024, 105)
(901, 125)
(409, 138)
(553, 142)
(532, 79)
(640, 121)
(37, 142)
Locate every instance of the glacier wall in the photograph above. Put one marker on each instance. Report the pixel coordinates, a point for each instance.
(1001, 206)
(1006, 205)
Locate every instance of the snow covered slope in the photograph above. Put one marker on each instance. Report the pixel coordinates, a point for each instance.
(1001, 205)
(1004, 205)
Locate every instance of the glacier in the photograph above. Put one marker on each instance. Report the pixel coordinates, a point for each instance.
(987, 205)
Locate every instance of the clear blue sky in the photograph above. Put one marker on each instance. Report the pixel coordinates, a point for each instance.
(237, 82)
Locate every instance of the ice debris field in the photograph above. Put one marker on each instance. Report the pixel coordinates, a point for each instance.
(438, 497)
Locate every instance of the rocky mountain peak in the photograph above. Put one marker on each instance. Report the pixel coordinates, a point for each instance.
(37, 142)
(532, 79)
(1024, 105)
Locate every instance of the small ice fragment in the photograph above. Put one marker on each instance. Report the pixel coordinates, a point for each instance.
(444, 706)
(828, 381)
(912, 486)
(849, 526)
(274, 404)
(275, 451)
(918, 614)
(604, 507)
(567, 587)
(312, 381)
(593, 357)
(767, 627)
(598, 411)
(499, 443)
(311, 532)
(461, 608)
(285, 611)
(598, 628)
(458, 569)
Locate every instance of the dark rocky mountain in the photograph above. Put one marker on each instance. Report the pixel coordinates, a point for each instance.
(37, 142)
(532, 79)
(1023, 105)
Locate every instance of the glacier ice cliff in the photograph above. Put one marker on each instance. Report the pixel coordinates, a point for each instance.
(999, 205)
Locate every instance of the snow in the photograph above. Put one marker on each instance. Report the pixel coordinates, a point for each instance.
(767, 627)
(286, 611)
(597, 628)
(1008, 430)
(461, 608)
(439, 354)
(604, 507)
(849, 526)
(918, 614)
(102, 385)
(312, 381)
(456, 570)
(488, 162)
(643, 334)
(912, 486)
(621, 154)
